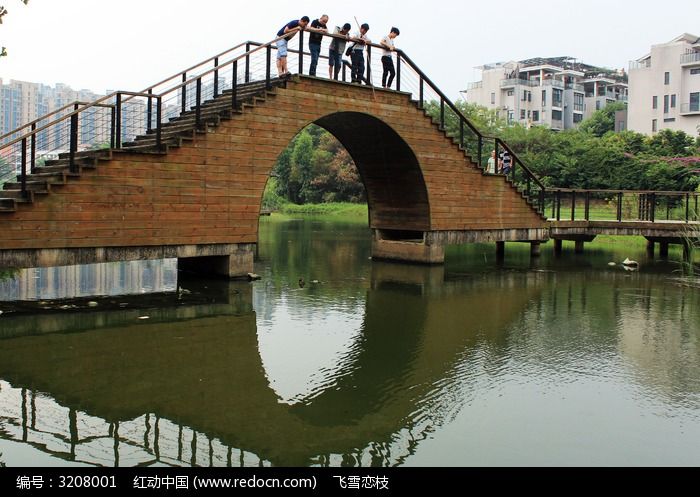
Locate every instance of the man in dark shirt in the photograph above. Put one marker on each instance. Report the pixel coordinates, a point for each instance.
(318, 26)
(282, 43)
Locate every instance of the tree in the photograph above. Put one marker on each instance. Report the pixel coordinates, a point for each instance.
(3, 13)
(603, 120)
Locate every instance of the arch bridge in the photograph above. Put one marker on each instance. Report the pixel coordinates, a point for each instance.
(181, 169)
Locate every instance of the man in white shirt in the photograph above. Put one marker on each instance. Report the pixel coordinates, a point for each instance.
(387, 61)
(357, 56)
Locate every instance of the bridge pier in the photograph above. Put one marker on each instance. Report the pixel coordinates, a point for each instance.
(535, 249)
(651, 246)
(237, 264)
(406, 246)
(663, 250)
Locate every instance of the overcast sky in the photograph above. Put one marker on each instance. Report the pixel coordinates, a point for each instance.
(131, 44)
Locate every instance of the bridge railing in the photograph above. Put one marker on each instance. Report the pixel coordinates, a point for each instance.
(622, 205)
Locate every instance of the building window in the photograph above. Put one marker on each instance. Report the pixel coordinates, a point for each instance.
(522, 114)
(621, 125)
(673, 101)
(511, 93)
(544, 98)
(556, 115)
(511, 117)
(667, 78)
(666, 104)
(694, 102)
(578, 102)
(557, 97)
(654, 126)
(654, 102)
(578, 118)
(493, 98)
(597, 105)
(670, 120)
(695, 71)
(535, 115)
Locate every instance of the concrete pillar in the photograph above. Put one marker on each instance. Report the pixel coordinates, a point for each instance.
(663, 250)
(579, 246)
(650, 248)
(236, 265)
(416, 251)
(500, 250)
(535, 249)
(558, 247)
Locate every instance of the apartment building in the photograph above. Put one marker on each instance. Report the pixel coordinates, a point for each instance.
(665, 88)
(556, 92)
(22, 102)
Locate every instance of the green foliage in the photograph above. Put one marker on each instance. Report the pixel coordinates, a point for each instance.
(603, 120)
(315, 168)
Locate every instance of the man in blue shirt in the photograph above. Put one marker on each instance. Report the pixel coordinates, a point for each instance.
(282, 43)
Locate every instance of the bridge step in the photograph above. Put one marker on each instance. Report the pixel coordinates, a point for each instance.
(7, 205)
(35, 186)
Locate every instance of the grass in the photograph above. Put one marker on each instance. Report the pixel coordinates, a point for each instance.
(344, 209)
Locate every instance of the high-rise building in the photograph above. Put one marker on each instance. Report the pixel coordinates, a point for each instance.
(22, 102)
(665, 88)
(556, 92)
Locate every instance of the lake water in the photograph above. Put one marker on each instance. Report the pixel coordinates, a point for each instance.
(334, 359)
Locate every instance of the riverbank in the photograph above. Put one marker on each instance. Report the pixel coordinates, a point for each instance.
(341, 209)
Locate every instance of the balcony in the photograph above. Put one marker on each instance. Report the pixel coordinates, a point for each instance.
(554, 83)
(575, 86)
(646, 64)
(690, 109)
(475, 86)
(690, 59)
(510, 83)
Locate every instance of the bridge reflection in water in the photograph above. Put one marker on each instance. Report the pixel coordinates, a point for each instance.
(190, 387)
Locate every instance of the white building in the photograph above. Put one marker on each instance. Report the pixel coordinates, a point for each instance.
(555, 92)
(665, 88)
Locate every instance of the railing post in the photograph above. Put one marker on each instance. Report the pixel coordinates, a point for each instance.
(422, 99)
(32, 156)
(113, 128)
(247, 63)
(118, 123)
(398, 72)
(619, 207)
(697, 214)
(479, 147)
(461, 136)
(345, 79)
(73, 140)
(369, 65)
(573, 205)
(149, 112)
(652, 215)
(495, 164)
(687, 207)
(528, 188)
(234, 86)
(542, 201)
(23, 177)
(558, 205)
(268, 85)
(198, 104)
(184, 92)
(588, 206)
(442, 114)
(216, 77)
(668, 208)
(301, 51)
(159, 126)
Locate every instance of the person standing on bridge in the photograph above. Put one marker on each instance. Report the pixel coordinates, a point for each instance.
(336, 50)
(387, 60)
(282, 43)
(357, 55)
(318, 26)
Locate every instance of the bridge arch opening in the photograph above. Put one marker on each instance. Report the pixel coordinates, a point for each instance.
(394, 187)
